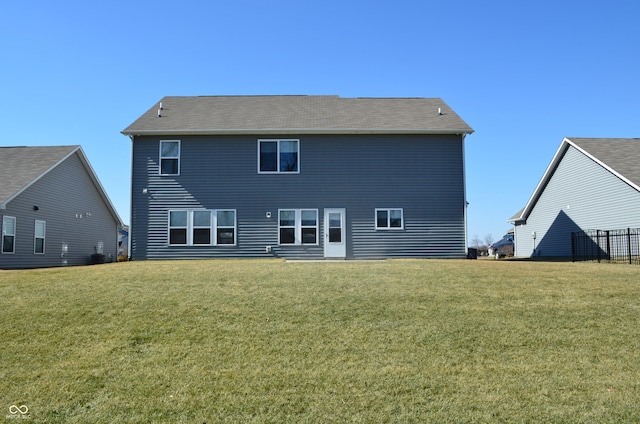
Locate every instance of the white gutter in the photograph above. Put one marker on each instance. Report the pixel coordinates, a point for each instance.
(289, 131)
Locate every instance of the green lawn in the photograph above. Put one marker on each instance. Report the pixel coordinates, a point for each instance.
(307, 342)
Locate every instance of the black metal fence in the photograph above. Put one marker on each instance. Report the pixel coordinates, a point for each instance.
(619, 246)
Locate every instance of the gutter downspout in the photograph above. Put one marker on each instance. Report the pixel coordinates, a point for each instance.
(464, 194)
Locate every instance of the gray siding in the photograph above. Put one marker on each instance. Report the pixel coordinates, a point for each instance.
(580, 195)
(62, 196)
(421, 174)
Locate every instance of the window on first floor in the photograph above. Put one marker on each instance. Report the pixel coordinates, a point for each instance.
(8, 234)
(389, 219)
(278, 156)
(298, 226)
(38, 237)
(202, 227)
(169, 157)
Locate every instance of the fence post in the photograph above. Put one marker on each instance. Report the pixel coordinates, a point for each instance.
(629, 243)
(599, 249)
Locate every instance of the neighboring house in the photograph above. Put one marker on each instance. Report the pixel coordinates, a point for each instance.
(591, 184)
(54, 211)
(298, 177)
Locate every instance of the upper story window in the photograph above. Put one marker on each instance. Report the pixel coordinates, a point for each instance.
(278, 156)
(389, 219)
(170, 157)
(8, 234)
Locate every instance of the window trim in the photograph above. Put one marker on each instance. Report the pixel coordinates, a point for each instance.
(4, 233)
(388, 227)
(278, 141)
(35, 237)
(213, 227)
(298, 227)
(169, 157)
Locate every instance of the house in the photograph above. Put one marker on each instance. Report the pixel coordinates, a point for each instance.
(298, 177)
(590, 184)
(54, 210)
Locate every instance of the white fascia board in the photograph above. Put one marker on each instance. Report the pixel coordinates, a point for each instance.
(543, 181)
(602, 164)
(315, 131)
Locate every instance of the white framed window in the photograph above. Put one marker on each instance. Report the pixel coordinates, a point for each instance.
(298, 226)
(278, 156)
(169, 157)
(8, 234)
(39, 234)
(389, 219)
(202, 227)
(225, 227)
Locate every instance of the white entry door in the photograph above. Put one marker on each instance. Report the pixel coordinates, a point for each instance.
(335, 243)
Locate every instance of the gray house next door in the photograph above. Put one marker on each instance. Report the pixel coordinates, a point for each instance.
(335, 243)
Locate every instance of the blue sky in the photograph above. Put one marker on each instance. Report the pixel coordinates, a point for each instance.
(522, 74)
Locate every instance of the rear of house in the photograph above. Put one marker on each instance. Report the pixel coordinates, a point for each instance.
(298, 177)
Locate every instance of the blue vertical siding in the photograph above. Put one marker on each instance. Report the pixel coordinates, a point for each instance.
(423, 175)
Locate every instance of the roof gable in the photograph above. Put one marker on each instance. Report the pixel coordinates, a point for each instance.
(21, 167)
(177, 115)
(620, 156)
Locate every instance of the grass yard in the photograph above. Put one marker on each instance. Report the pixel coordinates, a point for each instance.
(307, 342)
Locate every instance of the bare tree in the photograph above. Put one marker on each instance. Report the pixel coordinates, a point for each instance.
(475, 241)
(488, 240)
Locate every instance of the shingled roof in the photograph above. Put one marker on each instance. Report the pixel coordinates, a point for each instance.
(184, 115)
(620, 156)
(22, 166)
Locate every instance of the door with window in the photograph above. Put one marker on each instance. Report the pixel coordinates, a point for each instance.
(335, 243)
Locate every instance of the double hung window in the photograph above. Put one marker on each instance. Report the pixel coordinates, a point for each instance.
(202, 227)
(8, 234)
(278, 156)
(298, 226)
(389, 219)
(170, 157)
(38, 237)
